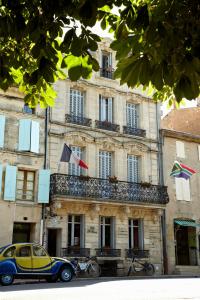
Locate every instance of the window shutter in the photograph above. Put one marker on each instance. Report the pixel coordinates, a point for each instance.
(132, 111)
(110, 59)
(199, 152)
(133, 168)
(180, 149)
(43, 186)
(105, 164)
(102, 108)
(1, 173)
(2, 130)
(182, 189)
(10, 183)
(110, 110)
(24, 135)
(35, 136)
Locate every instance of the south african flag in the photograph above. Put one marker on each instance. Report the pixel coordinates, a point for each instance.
(181, 171)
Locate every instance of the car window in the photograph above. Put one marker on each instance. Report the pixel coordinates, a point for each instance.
(2, 248)
(9, 252)
(24, 251)
(38, 251)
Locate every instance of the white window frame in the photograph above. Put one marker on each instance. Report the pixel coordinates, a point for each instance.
(105, 108)
(133, 162)
(73, 222)
(140, 227)
(103, 225)
(74, 169)
(132, 115)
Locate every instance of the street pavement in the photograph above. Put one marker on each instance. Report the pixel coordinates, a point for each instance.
(106, 289)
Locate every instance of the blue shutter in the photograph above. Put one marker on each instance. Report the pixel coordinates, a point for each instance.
(2, 130)
(24, 135)
(44, 186)
(10, 183)
(1, 172)
(35, 137)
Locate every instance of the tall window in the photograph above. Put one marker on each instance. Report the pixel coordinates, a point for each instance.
(106, 65)
(132, 113)
(180, 149)
(75, 230)
(182, 189)
(107, 232)
(25, 185)
(73, 168)
(76, 102)
(133, 168)
(105, 109)
(135, 234)
(105, 164)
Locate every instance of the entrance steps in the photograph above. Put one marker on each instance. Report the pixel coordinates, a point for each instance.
(187, 270)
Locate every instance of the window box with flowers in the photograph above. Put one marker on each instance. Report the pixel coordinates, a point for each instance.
(113, 179)
(145, 184)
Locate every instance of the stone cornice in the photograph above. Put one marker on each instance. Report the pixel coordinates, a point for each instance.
(180, 135)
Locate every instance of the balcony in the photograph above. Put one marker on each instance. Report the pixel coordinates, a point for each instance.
(137, 253)
(80, 120)
(108, 252)
(75, 251)
(107, 72)
(134, 131)
(106, 125)
(103, 189)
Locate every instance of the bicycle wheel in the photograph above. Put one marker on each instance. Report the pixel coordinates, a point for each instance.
(149, 269)
(94, 269)
(129, 271)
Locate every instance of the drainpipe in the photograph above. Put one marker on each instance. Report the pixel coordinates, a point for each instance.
(161, 183)
(42, 225)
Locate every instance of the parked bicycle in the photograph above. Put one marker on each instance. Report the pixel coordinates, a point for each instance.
(89, 266)
(137, 265)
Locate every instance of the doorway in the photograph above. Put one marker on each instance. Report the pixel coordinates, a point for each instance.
(54, 236)
(21, 232)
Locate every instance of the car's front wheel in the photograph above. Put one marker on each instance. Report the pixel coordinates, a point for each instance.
(66, 274)
(6, 279)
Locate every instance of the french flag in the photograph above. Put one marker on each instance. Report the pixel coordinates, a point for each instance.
(69, 156)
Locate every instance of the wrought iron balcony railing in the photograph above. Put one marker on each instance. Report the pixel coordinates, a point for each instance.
(137, 253)
(107, 125)
(107, 72)
(96, 188)
(74, 251)
(134, 131)
(78, 120)
(107, 252)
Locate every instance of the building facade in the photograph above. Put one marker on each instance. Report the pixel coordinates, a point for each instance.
(114, 208)
(181, 141)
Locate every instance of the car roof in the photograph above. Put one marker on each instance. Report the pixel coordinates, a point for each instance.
(17, 244)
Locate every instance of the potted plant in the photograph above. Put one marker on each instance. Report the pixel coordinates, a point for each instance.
(145, 184)
(113, 179)
(84, 177)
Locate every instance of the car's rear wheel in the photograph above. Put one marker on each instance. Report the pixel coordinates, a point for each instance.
(66, 274)
(6, 279)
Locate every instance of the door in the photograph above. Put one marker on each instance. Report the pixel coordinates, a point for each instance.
(41, 261)
(182, 247)
(21, 232)
(52, 241)
(23, 259)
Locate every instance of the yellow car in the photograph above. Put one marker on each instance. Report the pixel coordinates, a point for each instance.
(30, 260)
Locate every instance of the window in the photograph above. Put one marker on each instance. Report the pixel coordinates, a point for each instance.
(106, 65)
(75, 231)
(105, 109)
(198, 147)
(28, 110)
(105, 164)
(38, 251)
(182, 189)
(135, 234)
(24, 251)
(180, 149)
(133, 168)
(76, 102)
(9, 252)
(25, 185)
(132, 115)
(73, 168)
(2, 130)
(29, 132)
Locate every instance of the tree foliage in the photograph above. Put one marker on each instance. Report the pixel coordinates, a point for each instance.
(157, 44)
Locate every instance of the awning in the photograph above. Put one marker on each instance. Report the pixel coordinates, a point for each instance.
(186, 223)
